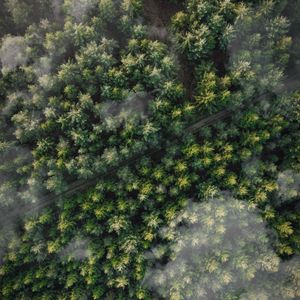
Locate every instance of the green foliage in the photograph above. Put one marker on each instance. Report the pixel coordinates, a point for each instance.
(25, 12)
(99, 99)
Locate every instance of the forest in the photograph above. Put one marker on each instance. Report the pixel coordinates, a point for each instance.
(149, 149)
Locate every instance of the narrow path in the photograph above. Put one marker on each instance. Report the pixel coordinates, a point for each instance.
(81, 185)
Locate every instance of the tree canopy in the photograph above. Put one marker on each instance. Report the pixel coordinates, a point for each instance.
(110, 110)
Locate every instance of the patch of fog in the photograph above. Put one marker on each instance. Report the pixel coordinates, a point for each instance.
(13, 53)
(251, 63)
(79, 8)
(16, 202)
(220, 248)
(158, 33)
(251, 167)
(77, 249)
(9, 240)
(12, 100)
(42, 66)
(135, 105)
(57, 9)
(288, 184)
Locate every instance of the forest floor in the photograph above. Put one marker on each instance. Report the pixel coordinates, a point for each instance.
(158, 14)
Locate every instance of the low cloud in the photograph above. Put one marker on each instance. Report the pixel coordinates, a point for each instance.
(43, 66)
(77, 249)
(79, 8)
(220, 248)
(136, 105)
(158, 33)
(288, 184)
(251, 167)
(13, 53)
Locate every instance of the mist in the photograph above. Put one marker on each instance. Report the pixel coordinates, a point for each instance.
(76, 249)
(220, 248)
(12, 53)
(79, 8)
